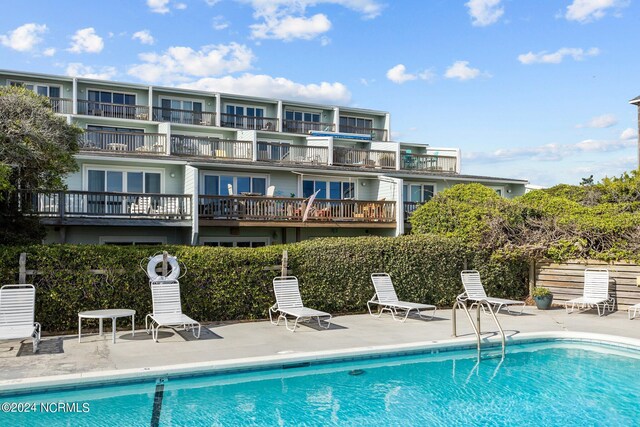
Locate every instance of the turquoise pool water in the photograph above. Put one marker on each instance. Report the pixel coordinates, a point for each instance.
(546, 384)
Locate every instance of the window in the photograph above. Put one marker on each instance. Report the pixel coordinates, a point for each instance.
(132, 240)
(100, 181)
(40, 88)
(336, 190)
(235, 242)
(276, 151)
(419, 193)
(112, 97)
(355, 125)
(243, 117)
(111, 104)
(499, 190)
(218, 185)
(181, 111)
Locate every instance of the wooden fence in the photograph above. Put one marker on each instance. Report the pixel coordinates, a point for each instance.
(566, 280)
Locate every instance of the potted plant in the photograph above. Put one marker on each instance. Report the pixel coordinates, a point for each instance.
(543, 298)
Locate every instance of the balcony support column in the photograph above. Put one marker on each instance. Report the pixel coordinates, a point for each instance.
(336, 120)
(458, 160)
(74, 96)
(165, 128)
(218, 110)
(279, 114)
(330, 151)
(399, 206)
(150, 103)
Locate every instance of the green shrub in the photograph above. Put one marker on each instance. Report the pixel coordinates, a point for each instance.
(540, 291)
(233, 284)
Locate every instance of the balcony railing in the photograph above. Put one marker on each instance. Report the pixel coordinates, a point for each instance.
(375, 133)
(410, 208)
(186, 117)
(61, 105)
(429, 162)
(262, 208)
(124, 142)
(211, 147)
(119, 111)
(297, 154)
(248, 122)
(300, 126)
(75, 204)
(364, 158)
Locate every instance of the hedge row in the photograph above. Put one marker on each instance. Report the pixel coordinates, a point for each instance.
(232, 283)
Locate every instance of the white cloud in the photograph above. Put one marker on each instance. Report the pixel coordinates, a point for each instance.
(556, 57)
(50, 51)
(462, 71)
(551, 152)
(77, 69)
(484, 12)
(600, 122)
(24, 38)
(158, 6)
(219, 23)
(86, 40)
(585, 11)
(287, 20)
(290, 28)
(211, 2)
(180, 6)
(325, 41)
(274, 87)
(399, 75)
(179, 64)
(144, 36)
(628, 134)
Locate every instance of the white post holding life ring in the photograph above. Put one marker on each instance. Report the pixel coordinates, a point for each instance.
(158, 259)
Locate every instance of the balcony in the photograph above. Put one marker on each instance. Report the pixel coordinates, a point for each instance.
(375, 133)
(364, 158)
(410, 208)
(300, 126)
(292, 154)
(118, 111)
(123, 142)
(61, 105)
(429, 163)
(249, 122)
(212, 148)
(91, 204)
(185, 117)
(258, 210)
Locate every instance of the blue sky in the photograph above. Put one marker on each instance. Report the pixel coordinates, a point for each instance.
(527, 89)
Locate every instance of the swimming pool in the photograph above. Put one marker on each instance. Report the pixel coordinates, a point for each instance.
(546, 383)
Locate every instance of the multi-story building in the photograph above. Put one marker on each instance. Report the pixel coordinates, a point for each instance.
(169, 165)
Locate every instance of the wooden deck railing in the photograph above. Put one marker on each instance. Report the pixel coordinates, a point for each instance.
(364, 158)
(249, 122)
(300, 126)
(125, 142)
(120, 111)
(187, 117)
(103, 204)
(410, 208)
(296, 154)
(252, 208)
(429, 162)
(211, 147)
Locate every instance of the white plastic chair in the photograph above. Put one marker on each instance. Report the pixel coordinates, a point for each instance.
(142, 206)
(474, 291)
(595, 292)
(271, 191)
(387, 299)
(17, 313)
(289, 303)
(230, 189)
(167, 309)
(635, 308)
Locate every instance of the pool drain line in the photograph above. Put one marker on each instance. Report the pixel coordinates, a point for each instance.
(157, 403)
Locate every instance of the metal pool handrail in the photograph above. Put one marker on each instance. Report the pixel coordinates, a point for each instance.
(461, 302)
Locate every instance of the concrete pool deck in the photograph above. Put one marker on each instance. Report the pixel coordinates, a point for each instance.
(228, 342)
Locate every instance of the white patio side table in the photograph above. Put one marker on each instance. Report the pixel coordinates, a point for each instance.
(107, 314)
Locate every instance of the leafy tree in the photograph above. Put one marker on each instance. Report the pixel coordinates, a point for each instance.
(587, 181)
(36, 152)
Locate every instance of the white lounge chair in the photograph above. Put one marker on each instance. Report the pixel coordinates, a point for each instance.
(386, 298)
(289, 303)
(595, 293)
(474, 292)
(167, 309)
(635, 308)
(142, 206)
(17, 313)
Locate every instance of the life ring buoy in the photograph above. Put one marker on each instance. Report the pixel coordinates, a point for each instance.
(153, 263)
